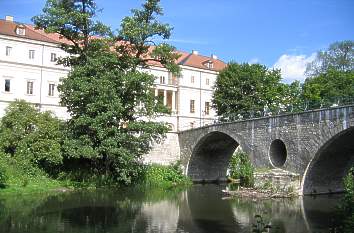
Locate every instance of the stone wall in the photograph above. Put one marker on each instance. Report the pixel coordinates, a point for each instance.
(278, 180)
(166, 152)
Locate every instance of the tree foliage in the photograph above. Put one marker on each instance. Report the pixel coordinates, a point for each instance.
(74, 21)
(331, 75)
(339, 56)
(137, 38)
(109, 98)
(243, 89)
(26, 134)
(330, 87)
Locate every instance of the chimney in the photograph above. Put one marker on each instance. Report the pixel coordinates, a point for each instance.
(9, 18)
(195, 52)
(213, 56)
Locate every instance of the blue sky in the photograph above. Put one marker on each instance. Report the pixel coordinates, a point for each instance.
(278, 33)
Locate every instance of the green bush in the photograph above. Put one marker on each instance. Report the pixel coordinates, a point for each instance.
(3, 176)
(348, 202)
(240, 167)
(30, 136)
(159, 175)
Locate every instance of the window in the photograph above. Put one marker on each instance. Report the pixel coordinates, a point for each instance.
(207, 108)
(162, 79)
(207, 82)
(8, 50)
(51, 89)
(192, 106)
(7, 85)
(29, 87)
(31, 54)
(210, 65)
(21, 30)
(53, 57)
(192, 79)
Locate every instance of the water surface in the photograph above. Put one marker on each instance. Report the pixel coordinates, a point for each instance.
(201, 208)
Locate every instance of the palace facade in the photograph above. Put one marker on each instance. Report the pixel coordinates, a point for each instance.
(28, 71)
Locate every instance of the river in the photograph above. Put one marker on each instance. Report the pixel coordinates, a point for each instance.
(199, 209)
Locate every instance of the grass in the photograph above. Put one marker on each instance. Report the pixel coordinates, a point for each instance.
(23, 178)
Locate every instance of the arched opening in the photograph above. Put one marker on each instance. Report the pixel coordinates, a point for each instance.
(211, 157)
(277, 153)
(330, 165)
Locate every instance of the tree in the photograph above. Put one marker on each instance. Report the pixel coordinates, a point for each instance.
(331, 76)
(339, 56)
(110, 100)
(292, 97)
(329, 88)
(243, 89)
(74, 21)
(26, 134)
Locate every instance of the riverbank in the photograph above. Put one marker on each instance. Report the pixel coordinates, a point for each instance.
(27, 179)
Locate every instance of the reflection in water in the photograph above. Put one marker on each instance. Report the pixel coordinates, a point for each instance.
(201, 208)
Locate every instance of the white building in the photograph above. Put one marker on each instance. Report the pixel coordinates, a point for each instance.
(28, 71)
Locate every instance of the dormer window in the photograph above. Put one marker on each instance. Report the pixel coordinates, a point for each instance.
(209, 64)
(21, 30)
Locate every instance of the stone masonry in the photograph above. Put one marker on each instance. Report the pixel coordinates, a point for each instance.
(318, 145)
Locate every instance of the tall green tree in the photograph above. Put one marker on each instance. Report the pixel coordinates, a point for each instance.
(136, 39)
(329, 88)
(339, 56)
(244, 90)
(74, 21)
(110, 100)
(330, 76)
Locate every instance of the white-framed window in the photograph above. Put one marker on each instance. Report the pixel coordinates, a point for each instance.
(7, 86)
(29, 87)
(210, 65)
(207, 81)
(31, 54)
(192, 79)
(207, 108)
(8, 50)
(21, 30)
(162, 80)
(192, 106)
(53, 57)
(51, 89)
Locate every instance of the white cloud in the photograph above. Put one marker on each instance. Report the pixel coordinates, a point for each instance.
(253, 61)
(293, 67)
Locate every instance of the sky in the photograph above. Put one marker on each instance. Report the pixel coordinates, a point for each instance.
(283, 34)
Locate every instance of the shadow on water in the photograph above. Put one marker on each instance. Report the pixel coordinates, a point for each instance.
(201, 208)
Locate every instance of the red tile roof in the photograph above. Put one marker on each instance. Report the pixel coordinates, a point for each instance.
(8, 28)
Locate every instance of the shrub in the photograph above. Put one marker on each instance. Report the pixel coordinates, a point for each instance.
(159, 175)
(3, 176)
(240, 167)
(30, 136)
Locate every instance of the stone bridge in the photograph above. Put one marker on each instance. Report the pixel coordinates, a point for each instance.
(318, 145)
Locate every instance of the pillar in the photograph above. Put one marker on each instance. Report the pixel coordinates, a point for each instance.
(173, 101)
(164, 97)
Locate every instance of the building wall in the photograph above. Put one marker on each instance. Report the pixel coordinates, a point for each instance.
(19, 68)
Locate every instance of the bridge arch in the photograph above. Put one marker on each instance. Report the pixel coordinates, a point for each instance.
(330, 164)
(211, 156)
